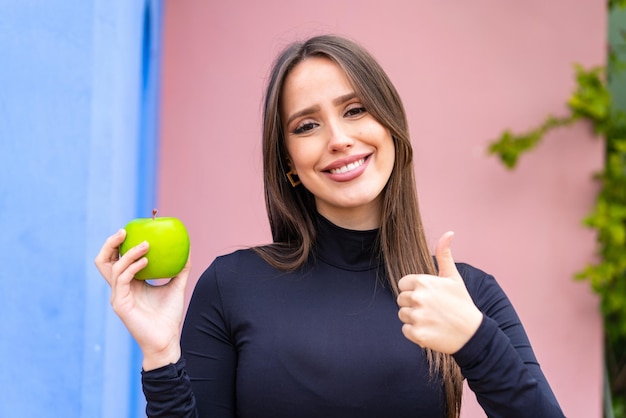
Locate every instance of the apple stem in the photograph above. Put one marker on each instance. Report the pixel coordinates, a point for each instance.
(154, 212)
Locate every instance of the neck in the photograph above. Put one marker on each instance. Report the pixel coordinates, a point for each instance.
(346, 248)
(363, 218)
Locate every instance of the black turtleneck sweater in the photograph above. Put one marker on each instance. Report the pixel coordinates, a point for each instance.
(326, 341)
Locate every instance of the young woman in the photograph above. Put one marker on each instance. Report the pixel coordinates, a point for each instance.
(345, 314)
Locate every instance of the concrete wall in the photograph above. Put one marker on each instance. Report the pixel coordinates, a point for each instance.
(77, 158)
(467, 71)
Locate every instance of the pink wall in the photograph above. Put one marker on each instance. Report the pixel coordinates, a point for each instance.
(466, 71)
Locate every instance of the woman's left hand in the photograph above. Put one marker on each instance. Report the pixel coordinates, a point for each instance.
(437, 311)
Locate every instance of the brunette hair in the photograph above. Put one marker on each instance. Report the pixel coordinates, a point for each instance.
(291, 210)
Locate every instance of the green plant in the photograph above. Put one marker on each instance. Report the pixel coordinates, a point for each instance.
(592, 101)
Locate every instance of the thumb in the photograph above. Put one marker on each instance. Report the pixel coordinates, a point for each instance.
(181, 278)
(443, 254)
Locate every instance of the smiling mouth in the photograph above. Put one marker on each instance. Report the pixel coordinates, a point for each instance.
(347, 167)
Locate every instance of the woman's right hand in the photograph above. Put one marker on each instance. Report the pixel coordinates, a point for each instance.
(152, 314)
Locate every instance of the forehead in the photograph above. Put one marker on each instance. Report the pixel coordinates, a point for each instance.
(313, 80)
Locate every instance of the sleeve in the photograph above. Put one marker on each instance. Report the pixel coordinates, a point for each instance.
(202, 382)
(168, 392)
(209, 350)
(498, 361)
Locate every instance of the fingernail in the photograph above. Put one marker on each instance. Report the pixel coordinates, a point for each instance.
(143, 244)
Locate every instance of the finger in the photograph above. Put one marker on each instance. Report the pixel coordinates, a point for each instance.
(128, 274)
(405, 315)
(121, 283)
(407, 283)
(407, 299)
(187, 267)
(181, 278)
(110, 250)
(414, 334)
(109, 253)
(443, 254)
(130, 257)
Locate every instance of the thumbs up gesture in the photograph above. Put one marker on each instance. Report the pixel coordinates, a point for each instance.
(437, 311)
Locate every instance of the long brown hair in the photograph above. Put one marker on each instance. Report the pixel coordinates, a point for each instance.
(291, 210)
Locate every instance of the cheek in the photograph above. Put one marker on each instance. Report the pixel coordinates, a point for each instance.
(387, 145)
(391, 146)
(302, 154)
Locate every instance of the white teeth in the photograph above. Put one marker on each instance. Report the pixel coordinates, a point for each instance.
(348, 167)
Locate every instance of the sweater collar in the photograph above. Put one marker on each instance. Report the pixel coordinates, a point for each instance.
(345, 248)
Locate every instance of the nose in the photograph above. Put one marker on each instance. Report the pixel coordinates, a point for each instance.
(338, 139)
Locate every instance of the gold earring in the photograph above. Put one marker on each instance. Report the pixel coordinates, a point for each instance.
(294, 182)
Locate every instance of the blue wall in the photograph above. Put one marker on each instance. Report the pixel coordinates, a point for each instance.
(78, 100)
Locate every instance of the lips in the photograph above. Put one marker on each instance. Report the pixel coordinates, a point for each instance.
(346, 164)
(347, 168)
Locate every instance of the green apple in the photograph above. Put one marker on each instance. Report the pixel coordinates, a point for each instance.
(169, 245)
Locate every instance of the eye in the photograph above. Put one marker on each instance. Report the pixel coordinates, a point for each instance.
(355, 109)
(304, 127)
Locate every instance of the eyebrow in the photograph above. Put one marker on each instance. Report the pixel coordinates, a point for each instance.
(339, 100)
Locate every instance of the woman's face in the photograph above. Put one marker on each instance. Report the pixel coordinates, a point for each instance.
(342, 155)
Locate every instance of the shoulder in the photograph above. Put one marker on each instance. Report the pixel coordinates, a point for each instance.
(482, 286)
(239, 284)
(238, 263)
(230, 274)
(473, 276)
(244, 266)
(238, 258)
